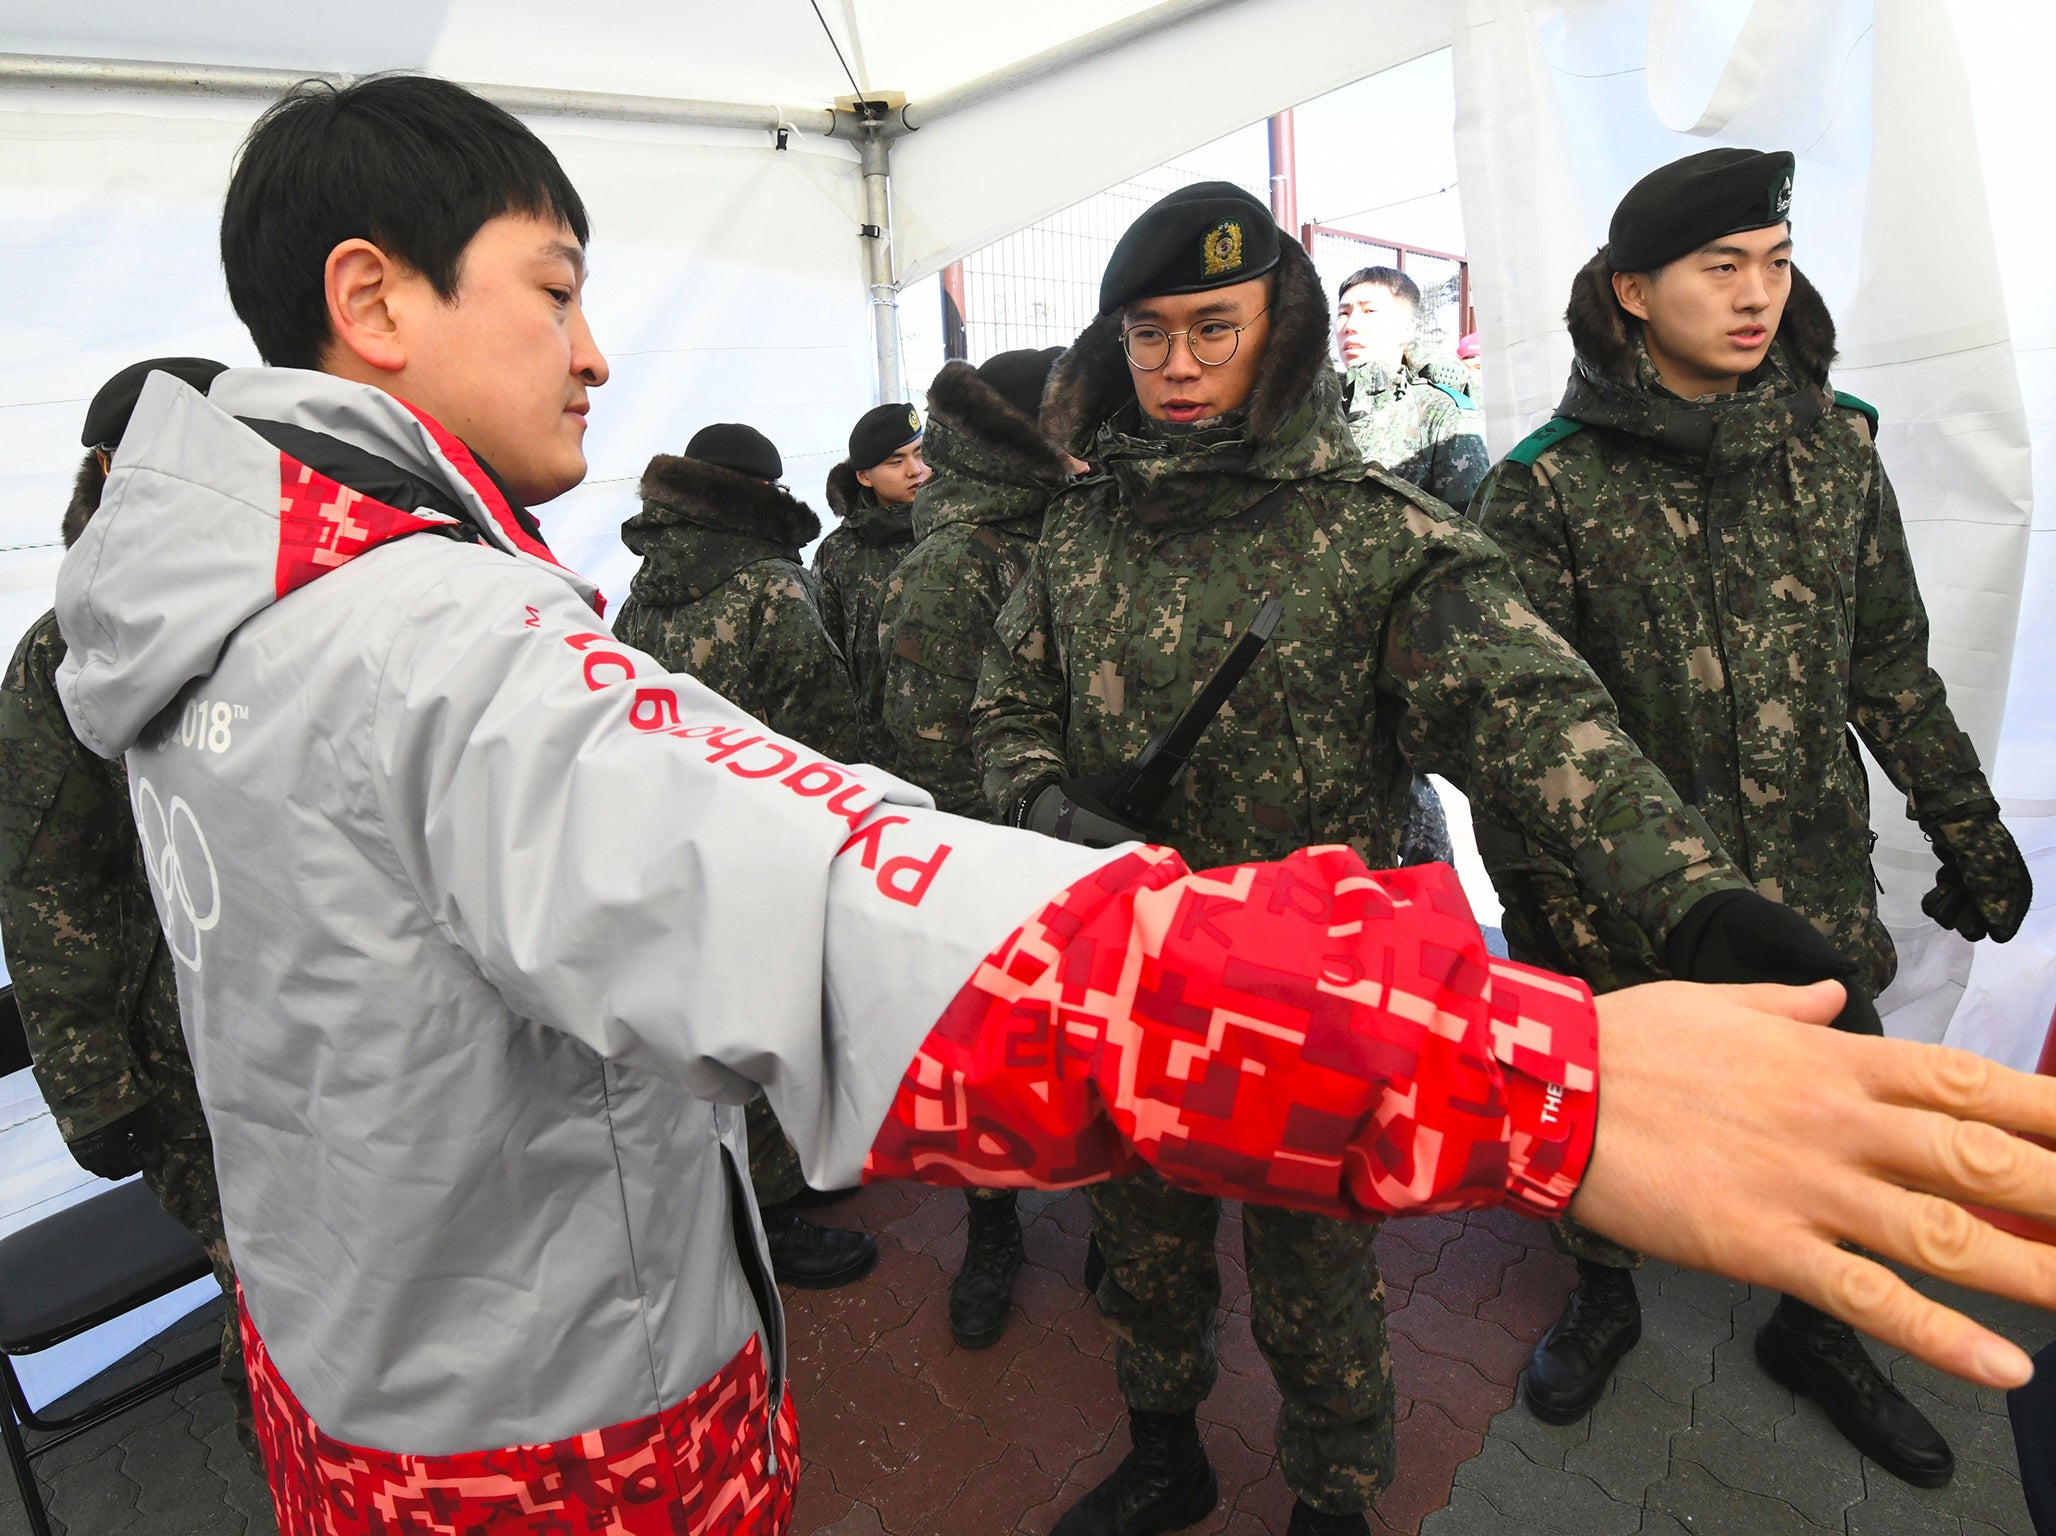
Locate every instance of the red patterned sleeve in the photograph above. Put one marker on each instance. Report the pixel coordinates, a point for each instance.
(1306, 1033)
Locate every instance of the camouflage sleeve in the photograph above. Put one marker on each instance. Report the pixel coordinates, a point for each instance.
(929, 656)
(1500, 704)
(1459, 460)
(800, 682)
(67, 867)
(1017, 718)
(1897, 701)
(827, 583)
(1547, 920)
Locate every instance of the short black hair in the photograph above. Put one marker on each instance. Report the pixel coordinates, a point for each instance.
(1391, 279)
(413, 164)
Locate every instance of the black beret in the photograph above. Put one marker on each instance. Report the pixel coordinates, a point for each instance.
(1207, 235)
(1678, 208)
(1019, 376)
(108, 416)
(881, 432)
(734, 446)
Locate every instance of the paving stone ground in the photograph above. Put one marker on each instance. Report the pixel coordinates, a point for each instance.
(906, 1435)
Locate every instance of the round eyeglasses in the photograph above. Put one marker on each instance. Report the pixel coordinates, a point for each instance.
(1211, 342)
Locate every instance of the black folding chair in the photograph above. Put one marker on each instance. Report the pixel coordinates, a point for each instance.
(73, 1271)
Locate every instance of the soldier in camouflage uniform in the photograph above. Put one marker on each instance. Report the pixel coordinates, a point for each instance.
(872, 491)
(1710, 525)
(98, 993)
(976, 523)
(721, 594)
(1409, 417)
(1405, 644)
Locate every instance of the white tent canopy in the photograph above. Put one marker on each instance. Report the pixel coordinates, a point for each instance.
(730, 277)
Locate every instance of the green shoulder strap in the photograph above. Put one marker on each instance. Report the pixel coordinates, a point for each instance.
(1850, 402)
(1543, 438)
(1463, 401)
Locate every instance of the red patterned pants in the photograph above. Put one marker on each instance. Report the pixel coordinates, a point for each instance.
(700, 1466)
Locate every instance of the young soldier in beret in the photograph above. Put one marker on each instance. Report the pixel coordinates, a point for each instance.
(721, 594)
(1223, 472)
(1708, 522)
(96, 988)
(872, 491)
(976, 522)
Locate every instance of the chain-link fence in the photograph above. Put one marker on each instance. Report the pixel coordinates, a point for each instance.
(1443, 279)
(1039, 287)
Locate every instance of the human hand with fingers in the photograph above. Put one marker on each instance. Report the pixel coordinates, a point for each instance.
(1805, 1139)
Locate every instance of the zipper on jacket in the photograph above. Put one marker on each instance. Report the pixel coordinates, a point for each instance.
(1716, 578)
(763, 1291)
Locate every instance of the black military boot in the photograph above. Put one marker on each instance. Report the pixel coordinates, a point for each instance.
(981, 1297)
(816, 1258)
(1821, 1357)
(1164, 1484)
(1308, 1521)
(1601, 1323)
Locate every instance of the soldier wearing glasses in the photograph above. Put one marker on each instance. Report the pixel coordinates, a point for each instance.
(1222, 471)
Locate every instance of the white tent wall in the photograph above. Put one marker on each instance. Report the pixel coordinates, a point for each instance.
(1562, 106)
(984, 172)
(727, 284)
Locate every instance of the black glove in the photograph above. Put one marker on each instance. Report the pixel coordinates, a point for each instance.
(1074, 811)
(118, 1148)
(1983, 886)
(1739, 936)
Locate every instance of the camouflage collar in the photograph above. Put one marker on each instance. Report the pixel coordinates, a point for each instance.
(1170, 480)
(1722, 432)
(872, 521)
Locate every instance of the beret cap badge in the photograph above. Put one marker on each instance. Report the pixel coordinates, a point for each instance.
(1781, 200)
(1223, 251)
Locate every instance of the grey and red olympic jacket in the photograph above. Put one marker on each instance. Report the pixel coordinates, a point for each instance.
(485, 925)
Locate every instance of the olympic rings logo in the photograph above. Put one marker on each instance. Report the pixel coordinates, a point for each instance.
(175, 854)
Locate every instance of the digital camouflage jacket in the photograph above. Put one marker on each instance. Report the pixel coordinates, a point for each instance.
(1427, 435)
(976, 523)
(83, 947)
(1736, 572)
(850, 568)
(1405, 643)
(721, 594)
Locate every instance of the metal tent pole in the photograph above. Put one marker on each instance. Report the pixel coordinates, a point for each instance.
(875, 159)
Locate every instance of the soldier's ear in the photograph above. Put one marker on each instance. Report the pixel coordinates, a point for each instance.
(1631, 291)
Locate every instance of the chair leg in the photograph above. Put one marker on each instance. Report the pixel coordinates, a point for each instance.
(18, 1454)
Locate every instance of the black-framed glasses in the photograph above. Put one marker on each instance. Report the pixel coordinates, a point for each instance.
(1211, 342)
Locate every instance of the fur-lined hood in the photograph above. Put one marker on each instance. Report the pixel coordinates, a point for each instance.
(864, 514)
(1090, 382)
(1613, 384)
(992, 464)
(85, 498)
(700, 524)
(675, 489)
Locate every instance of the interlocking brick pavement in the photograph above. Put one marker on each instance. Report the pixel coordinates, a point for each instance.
(904, 1434)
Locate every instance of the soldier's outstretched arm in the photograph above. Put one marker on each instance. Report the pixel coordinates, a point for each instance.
(1017, 718)
(1499, 703)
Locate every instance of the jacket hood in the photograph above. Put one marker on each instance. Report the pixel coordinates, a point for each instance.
(1090, 383)
(863, 513)
(991, 462)
(1614, 384)
(207, 520)
(678, 490)
(85, 497)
